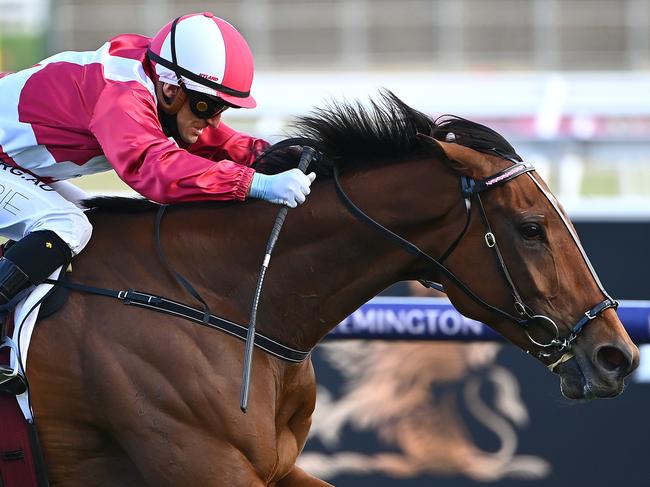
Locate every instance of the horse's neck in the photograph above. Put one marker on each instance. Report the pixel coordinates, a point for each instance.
(328, 263)
(325, 265)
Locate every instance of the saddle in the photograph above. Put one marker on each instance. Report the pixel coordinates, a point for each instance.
(13, 381)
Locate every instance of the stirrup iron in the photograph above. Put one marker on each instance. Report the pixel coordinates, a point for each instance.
(7, 373)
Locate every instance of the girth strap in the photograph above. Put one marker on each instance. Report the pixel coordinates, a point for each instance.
(171, 307)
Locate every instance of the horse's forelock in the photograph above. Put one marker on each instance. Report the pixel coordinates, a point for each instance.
(450, 128)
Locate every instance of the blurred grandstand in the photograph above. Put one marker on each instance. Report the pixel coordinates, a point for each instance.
(567, 81)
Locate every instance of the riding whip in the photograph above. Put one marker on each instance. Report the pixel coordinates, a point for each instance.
(305, 158)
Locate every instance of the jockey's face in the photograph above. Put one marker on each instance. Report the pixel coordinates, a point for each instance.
(190, 126)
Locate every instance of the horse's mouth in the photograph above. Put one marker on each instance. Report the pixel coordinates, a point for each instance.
(575, 384)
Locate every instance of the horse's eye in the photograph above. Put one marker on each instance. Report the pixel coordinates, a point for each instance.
(531, 231)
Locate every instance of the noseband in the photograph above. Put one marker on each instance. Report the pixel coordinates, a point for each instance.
(471, 189)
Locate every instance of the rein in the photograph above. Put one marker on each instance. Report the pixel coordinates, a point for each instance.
(470, 189)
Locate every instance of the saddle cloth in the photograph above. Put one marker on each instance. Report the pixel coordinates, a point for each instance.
(21, 461)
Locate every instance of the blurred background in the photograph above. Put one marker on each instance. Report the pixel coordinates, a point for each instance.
(566, 81)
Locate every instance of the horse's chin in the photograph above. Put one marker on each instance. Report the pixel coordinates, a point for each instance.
(573, 383)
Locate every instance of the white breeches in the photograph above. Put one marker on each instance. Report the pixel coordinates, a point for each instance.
(27, 205)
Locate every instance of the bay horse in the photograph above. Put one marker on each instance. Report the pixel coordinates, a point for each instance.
(125, 396)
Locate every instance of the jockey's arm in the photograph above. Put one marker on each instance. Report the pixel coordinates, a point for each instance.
(71, 192)
(224, 142)
(125, 123)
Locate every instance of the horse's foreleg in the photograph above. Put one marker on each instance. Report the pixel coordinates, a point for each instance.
(299, 478)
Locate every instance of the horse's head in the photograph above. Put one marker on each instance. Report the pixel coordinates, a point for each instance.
(535, 282)
(502, 246)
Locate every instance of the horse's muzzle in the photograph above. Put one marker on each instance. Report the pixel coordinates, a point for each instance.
(598, 376)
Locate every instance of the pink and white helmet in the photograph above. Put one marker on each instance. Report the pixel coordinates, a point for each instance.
(206, 54)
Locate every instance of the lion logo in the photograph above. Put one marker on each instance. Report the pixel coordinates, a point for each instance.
(411, 396)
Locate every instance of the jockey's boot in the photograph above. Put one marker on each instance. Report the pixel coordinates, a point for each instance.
(26, 263)
(12, 281)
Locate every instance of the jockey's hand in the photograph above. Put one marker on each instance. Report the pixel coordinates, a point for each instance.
(288, 188)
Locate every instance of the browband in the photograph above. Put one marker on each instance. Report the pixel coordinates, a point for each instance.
(474, 187)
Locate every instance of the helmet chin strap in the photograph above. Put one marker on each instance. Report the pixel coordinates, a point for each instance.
(167, 110)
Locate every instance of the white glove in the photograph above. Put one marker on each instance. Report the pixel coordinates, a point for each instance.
(288, 188)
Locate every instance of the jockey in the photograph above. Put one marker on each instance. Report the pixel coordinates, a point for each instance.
(148, 108)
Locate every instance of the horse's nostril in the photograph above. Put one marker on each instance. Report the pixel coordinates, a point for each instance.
(612, 359)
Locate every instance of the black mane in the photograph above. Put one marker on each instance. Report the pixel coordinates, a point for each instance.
(387, 129)
(123, 204)
(349, 133)
(120, 204)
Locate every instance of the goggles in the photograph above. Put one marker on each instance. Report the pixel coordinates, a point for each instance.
(206, 106)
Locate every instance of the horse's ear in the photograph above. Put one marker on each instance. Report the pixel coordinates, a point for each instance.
(458, 158)
(431, 145)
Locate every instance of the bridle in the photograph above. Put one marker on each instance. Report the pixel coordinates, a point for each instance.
(471, 189)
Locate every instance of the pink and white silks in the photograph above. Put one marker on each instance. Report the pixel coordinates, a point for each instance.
(79, 113)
